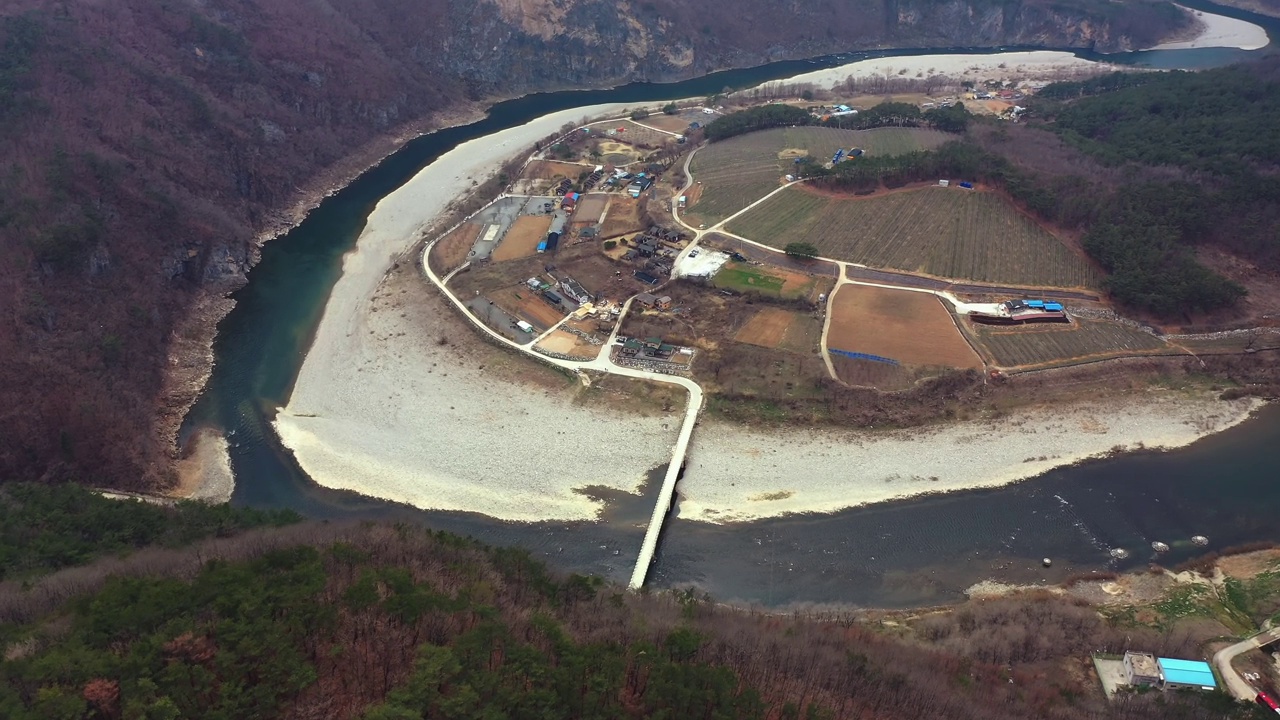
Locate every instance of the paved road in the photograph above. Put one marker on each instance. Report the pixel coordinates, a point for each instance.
(603, 363)
(1236, 685)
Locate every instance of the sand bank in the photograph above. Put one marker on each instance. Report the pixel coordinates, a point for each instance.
(734, 474)
(205, 473)
(1220, 31)
(387, 405)
(1033, 65)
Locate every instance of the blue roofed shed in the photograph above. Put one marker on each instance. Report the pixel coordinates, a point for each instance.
(1187, 674)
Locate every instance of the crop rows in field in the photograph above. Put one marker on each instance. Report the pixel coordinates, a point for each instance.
(947, 232)
(1029, 345)
(738, 171)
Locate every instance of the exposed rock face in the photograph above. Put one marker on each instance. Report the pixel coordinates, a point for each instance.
(148, 146)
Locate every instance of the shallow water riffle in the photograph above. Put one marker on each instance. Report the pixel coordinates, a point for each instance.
(928, 550)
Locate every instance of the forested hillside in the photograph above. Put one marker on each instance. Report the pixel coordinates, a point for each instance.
(381, 622)
(147, 146)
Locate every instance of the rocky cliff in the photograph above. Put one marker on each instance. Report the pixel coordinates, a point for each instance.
(148, 145)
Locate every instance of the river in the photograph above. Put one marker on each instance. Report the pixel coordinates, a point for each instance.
(913, 552)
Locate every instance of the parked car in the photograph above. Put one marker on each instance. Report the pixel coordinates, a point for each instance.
(1265, 701)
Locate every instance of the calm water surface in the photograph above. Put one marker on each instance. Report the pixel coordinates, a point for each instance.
(903, 553)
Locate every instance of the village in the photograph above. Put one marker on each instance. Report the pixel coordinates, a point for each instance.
(632, 239)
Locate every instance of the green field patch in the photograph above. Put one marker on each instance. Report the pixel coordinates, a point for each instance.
(947, 232)
(738, 171)
(744, 278)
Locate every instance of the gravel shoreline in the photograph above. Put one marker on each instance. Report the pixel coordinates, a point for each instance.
(735, 474)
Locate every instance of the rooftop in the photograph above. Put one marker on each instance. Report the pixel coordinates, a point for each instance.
(1187, 672)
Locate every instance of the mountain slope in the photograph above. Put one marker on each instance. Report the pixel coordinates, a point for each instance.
(148, 146)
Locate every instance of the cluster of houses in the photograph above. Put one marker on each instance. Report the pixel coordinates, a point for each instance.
(651, 348)
(654, 251)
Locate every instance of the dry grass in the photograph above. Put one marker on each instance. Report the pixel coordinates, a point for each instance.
(451, 251)
(766, 328)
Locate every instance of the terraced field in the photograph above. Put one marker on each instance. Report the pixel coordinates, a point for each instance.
(1049, 345)
(947, 232)
(741, 170)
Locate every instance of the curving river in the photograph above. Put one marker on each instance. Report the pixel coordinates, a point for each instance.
(913, 552)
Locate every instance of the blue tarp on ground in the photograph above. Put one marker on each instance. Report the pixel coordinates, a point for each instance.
(862, 356)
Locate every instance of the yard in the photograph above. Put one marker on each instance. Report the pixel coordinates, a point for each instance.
(528, 305)
(772, 281)
(711, 322)
(945, 232)
(523, 237)
(913, 329)
(1033, 346)
(624, 216)
(738, 171)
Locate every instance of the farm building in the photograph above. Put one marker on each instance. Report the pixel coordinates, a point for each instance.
(1186, 674)
(553, 239)
(645, 278)
(553, 297)
(573, 289)
(1012, 312)
(570, 201)
(1142, 668)
(650, 300)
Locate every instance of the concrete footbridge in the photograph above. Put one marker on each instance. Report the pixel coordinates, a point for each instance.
(603, 363)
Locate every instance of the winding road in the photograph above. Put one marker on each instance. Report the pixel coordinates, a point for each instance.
(848, 273)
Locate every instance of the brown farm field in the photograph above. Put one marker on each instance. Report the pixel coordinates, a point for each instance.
(738, 171)
(451, 250)
(1053, 345)
(624, 216)
(913, 328)
(523, 238)
(552, 169)
(945, 232)
(527, 305)
(591, 208)
(766, 328)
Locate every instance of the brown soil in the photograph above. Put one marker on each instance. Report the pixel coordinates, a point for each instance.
(451, 250)
(910, 327)
(586, 263)
(591, 208)
(527, 305)
(766, 328)
(523, 237)
(670, 123)
(692, 194)
(1249, 565)
(552, 169)
(624, 217)
(566, 343)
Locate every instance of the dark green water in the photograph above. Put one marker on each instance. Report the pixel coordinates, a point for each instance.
(953, 540)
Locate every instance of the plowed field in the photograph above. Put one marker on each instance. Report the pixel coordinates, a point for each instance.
(1079, 341)
(766, 328)
(738, 171)
(947, 232)
(912, 328)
